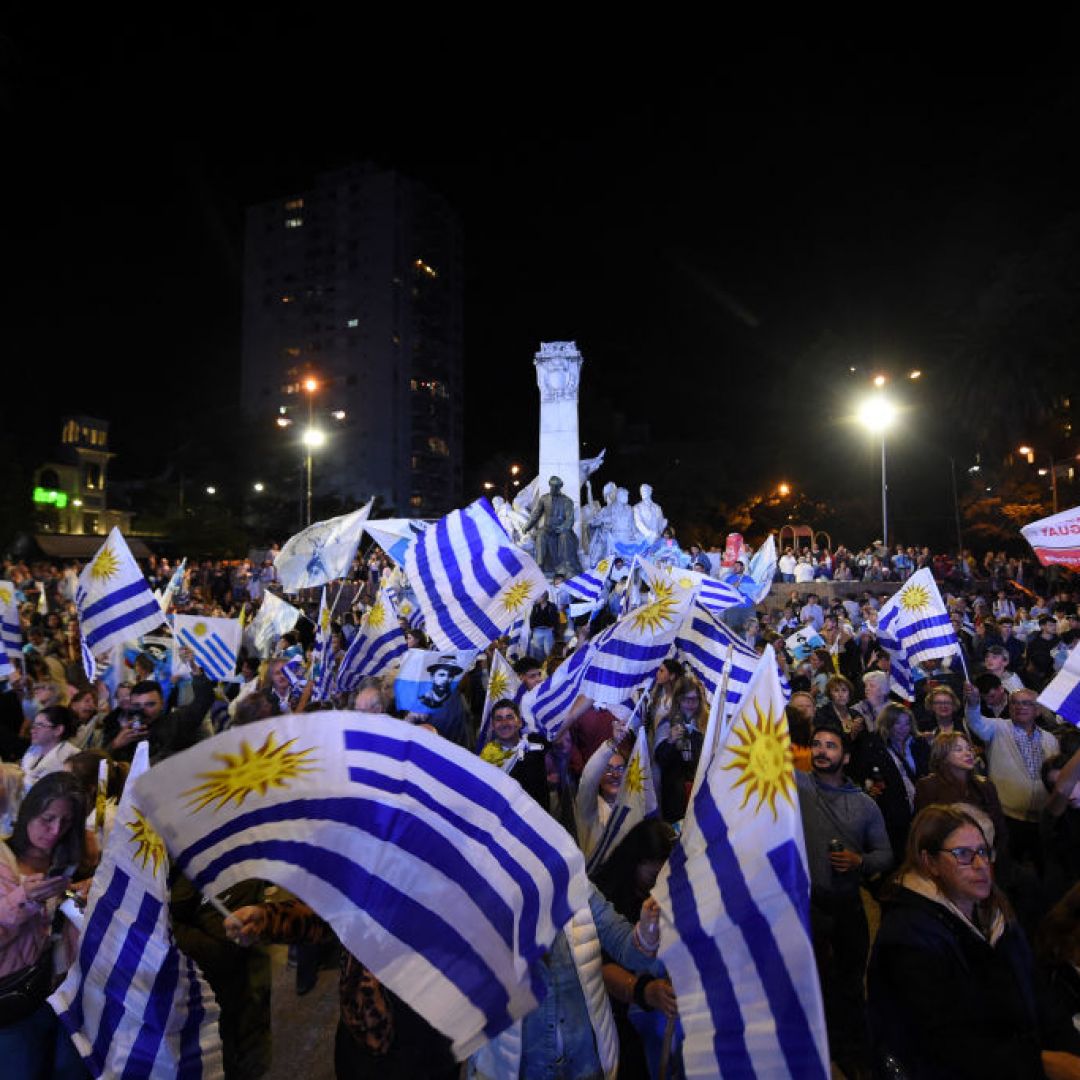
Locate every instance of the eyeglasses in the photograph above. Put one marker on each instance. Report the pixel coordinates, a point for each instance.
(965, 856)
(616, 770)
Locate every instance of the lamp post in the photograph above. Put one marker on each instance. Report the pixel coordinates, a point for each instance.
(313, 438)
(877, 414)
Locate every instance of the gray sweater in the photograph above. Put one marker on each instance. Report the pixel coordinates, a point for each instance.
(858, 824)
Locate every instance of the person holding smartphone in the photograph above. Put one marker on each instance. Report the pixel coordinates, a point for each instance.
(36, 866)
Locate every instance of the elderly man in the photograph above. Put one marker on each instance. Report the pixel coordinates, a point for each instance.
(1016, 749)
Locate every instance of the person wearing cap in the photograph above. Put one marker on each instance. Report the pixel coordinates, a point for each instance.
(442, 674)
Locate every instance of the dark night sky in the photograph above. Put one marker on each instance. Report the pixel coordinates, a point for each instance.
(697, 224)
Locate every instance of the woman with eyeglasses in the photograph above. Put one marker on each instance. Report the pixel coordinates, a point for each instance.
(677, 756)
(599, 788)
(49, 748)
(950, 985)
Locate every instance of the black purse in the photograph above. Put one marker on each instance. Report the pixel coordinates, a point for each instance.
(23, 992)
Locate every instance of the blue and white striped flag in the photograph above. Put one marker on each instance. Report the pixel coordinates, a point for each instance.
(323, 668)
(470, 582)
(635, 803)
(544, 708)
(626, 655)
(914, 623)
(395, 535)
(322, 552)
(435, 870)
(703, 643)
(715, 596)
(133, 1004)
(503, 682)
(175, 581)
(374, 647)
(113, 600)
(1062, 695)
(7, 668)
(215, 643)
(588, 587)
(735, 905)
(11, 637)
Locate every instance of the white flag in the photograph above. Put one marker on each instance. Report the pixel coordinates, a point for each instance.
(321, 553)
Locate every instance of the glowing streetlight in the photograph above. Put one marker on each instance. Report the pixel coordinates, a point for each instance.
(488, 485)
(877, 414)
(514, 470)
(338, 414)
(211, 490)
(784, 490)
(259, 487)
(879, 381)
(312, 439)
(1029, 453)
(311, 385)
(915, 374)
(283, 422)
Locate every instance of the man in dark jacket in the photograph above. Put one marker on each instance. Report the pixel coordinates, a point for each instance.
(168, 732)
(846, 843)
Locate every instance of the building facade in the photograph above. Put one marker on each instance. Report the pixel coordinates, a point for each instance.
(352, 324)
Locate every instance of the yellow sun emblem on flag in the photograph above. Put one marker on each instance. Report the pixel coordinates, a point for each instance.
(686, 582)
(602, 566)
(516, 596)
(763, 759)
(5, 596)
(324, 621)
(376, 617)
(150, 848)
(498, 685)
(915, 598)
(199, 629)
(654, 617)
(105, 565)
(248, 772)
(635, 776)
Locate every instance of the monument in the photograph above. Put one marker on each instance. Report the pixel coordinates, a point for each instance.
(558, 373)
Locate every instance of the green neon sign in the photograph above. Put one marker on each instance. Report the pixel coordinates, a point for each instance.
(51, 497)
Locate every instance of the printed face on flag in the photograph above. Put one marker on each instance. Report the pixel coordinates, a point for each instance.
(427, 681)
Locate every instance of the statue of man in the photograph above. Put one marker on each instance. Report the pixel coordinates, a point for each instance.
(556, 542)
(648, 517)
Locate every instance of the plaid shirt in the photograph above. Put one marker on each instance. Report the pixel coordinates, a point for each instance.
(1030, 747)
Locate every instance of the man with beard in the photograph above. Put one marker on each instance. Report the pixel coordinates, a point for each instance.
(846, 844)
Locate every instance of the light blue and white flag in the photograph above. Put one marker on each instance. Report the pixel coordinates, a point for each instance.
(703, 643)
(11, 637)
(435, 870)
(113, 600)
(7, 668)
(323, 668)
(635, 803)
(503, 682)
(735, 905)
(214, 642)
(470, 582)
(395, 535)
(1062, 695)
(322, 552)
(762, 570)
(374, 647)
(545, 707)
(175, 581)
(715, 596)
(427, 680)
(588, 587)
(275, 617)
(134, 1005)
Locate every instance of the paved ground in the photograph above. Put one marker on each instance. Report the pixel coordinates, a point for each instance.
(303, 1027)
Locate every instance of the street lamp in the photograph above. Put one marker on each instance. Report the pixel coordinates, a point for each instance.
(258, 486)
(312, 439)
(211, 490)
(784, 490)
(877, 415)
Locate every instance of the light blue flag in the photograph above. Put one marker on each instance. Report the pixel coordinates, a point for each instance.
(470, 582)
(113, 600)
(1062, 695)
(395, 535)
(11, 638)
(322, 552)
(435, 870)
(762, 570)
(275, 617)
(374, 647)
(214, 642)
(134, 1005)
(735, 905)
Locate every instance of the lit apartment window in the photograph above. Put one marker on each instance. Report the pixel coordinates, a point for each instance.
(353, 323)
(293, 222)
(438, 446)
(417, 500)
(295, 204)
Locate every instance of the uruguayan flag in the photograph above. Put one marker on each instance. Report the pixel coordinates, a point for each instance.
(323, 672)
(133, 1004)
(322, 552)
(635, 803)
(588, 587)
(735, 905)
(627, 654)
(715, 596)
(545, 707)
(436, 871)
(374, 647)
(703, 643)
(913, 625)
(114, 602)
(275, 617)
(470, 581)
(503, 682)
(1062, 696)
(762, 570)
(10, 628)
(173, 587)
(7, 669)
(395, 535)
(215, 642)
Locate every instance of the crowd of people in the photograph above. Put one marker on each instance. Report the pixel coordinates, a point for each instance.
(942, 832)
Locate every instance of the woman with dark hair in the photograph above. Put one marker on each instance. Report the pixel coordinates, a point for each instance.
(837, 712)
(951, 989)
(677, 756)
(36, 866)
(660, 699)
(641, 1004)
(49, 746)
(889, 762)
(953, 779)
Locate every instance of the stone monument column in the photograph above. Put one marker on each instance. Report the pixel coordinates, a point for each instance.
(558, 372)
